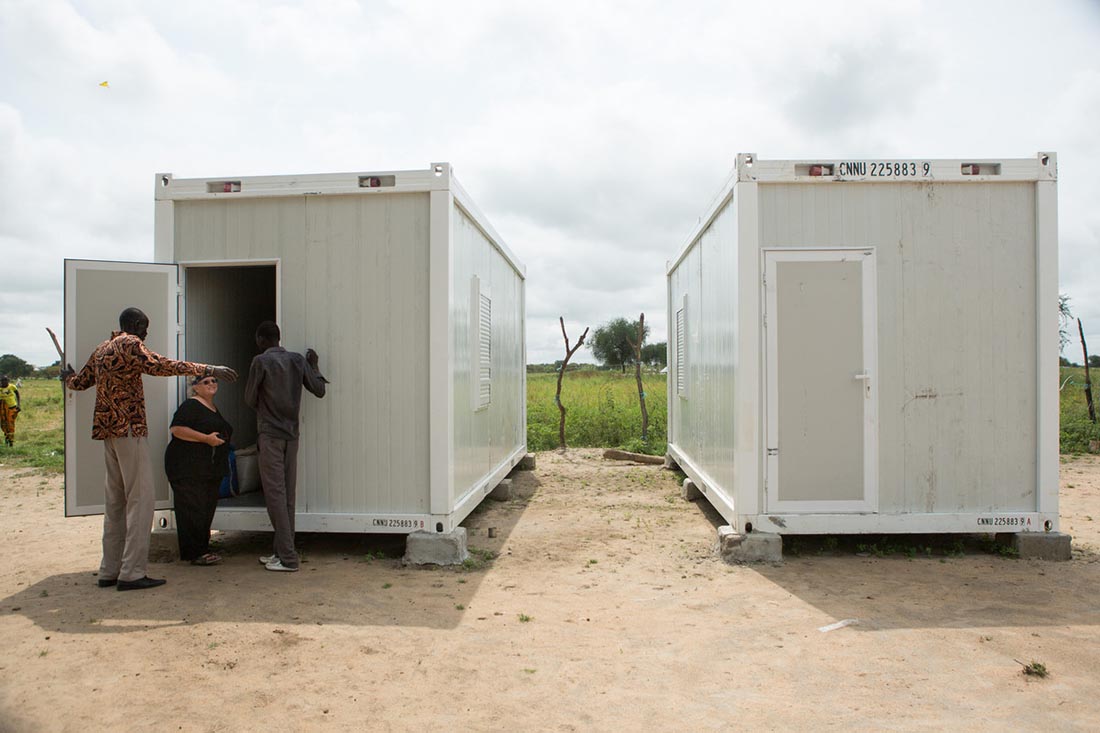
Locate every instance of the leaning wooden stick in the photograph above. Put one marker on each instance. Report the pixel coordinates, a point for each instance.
(1088, 380)
(57, 345)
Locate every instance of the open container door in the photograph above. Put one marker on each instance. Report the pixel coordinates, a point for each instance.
(95, 293)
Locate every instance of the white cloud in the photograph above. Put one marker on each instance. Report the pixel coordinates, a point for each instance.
(592, 134)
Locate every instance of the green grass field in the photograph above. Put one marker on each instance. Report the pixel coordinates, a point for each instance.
(603, 413)
(39, 429)
(1076, 428)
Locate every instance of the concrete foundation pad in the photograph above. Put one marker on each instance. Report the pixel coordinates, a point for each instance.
(689, 491)
(749, 548)
(1039, 545)
(527, 463)
(164, 546)
(671, 464)
(503, 490)
(436, 548)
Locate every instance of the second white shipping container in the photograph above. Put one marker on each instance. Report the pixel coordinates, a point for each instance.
(863, 346)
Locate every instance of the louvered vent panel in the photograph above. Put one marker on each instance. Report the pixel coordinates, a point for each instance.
(680, 351)
(485, 351)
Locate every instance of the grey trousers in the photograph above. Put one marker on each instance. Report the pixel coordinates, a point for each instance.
(128, 514)
(279, 475)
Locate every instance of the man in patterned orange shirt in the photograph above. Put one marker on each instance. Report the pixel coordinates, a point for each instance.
(115, 369)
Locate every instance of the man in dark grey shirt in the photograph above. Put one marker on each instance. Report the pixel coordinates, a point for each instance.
(274, 391)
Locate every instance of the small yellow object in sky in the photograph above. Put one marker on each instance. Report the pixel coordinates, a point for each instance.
(104, 84)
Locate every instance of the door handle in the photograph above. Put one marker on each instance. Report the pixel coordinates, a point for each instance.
(865, 376)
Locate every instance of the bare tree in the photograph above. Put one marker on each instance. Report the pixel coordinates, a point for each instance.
(557, 396)
(637, 346)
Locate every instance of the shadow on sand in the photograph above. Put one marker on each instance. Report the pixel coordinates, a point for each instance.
(348, 579)
(931, 581)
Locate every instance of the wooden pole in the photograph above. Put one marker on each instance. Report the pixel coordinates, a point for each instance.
(637, 346)
(1088, 381)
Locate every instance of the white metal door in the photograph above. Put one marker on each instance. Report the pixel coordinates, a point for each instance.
(822, 386)
(95, 294)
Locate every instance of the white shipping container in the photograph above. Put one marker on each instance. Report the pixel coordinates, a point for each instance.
(861, 346)
(414, 303)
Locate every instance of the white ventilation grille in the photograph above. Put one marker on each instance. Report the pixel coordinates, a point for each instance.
(485, 351)
(681, 352)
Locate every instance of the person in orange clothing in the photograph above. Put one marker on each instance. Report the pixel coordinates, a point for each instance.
(115, 369)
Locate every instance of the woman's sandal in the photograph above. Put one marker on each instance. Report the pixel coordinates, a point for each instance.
(208, 559)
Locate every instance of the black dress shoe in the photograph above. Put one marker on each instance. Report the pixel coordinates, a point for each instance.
(140, 583)
(104, 583)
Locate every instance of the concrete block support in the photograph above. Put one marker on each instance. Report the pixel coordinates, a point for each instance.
(527, 463)
(1039, 545)
(736, 549)
(671, 464)
(164, 546)
(503, 490)
(689, 491)
(436, 548)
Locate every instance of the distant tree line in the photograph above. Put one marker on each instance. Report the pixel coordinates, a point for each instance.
(1094, 362)
(555, 367)
(14, 367)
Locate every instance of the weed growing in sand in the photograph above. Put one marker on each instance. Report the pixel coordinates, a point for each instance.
(1034, 669)
(478, 559)
(993, 547)
(460, 607)
(386, 586)
(524, 618)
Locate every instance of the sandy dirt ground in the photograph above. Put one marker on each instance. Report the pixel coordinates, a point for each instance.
(604, 608)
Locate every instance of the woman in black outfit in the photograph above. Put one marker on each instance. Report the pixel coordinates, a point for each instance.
(196, 460)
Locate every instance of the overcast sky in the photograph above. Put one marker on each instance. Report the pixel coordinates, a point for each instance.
(592, 134)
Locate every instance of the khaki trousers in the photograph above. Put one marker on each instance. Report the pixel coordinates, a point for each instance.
(128, 515)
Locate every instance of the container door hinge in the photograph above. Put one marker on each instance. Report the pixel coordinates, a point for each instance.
(773, 451)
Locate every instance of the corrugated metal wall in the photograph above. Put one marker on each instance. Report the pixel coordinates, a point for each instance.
(956, 330)
(703, 421)
(485, 438)
(353, 285)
